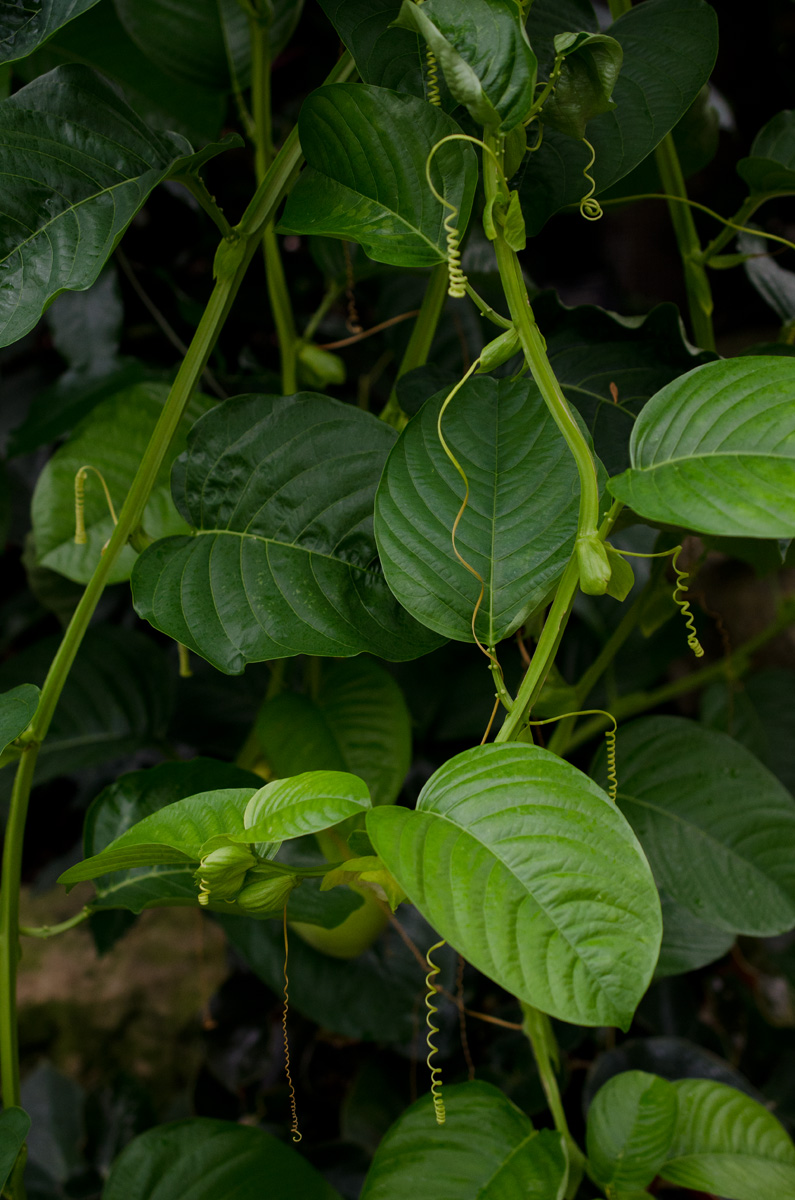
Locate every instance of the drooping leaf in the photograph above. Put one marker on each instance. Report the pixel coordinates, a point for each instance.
(90, 163)
(14, 1126)
(384, 55)
(724, 1142)
(527, 869)
(761, 715)
(203, 1159)
(774, 283)
(367, 148)
(591, 66)
(17, 709)
(487, 1149)
(630, 1124)
(188, 38)
(483, 51)
(547, 18)
(23, 27)
(714, 451)
(280, 493)
(770, 167)
(367, 871)
(519, 525)
(688, 942)
(715, 824)
(111, 440)
(306, 803)
(656, 86)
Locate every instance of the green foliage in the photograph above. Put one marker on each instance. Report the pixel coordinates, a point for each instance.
(17, 709)
(14, 1126)
(770, 167)
(591, 63)
(630, 1125)
(24, 28)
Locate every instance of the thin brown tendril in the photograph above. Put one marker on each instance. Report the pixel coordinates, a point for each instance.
(294, 1114)
(359, 337)
(462, 1020)
(352, 322)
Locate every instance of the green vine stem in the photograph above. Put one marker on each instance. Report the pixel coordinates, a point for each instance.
(741, 217)
(419, 347)
(538, 1031)
(48, 931)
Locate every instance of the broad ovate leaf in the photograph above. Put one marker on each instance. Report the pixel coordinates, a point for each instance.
(523, 864)
(630, 1124)
(770, 167)
(385, 56)
(192, 40)
(17, 710)
(716, 825)
(89, 165)
(483, 51)
(591, 66)
(302, 804)
(517, 530)
(688, 942)
(23, 27)
(487, 1149)
(714, 451)
(726, 1143)
(279, 492)
(14, 1126)
(366, 149)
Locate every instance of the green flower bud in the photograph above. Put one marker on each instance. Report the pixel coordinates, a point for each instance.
(266, 895)
(594, 565)
(499, 351)
(222, 871)
(622, 576)
(318, 368)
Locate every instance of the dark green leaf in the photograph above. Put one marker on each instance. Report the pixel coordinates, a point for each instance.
(725, 1142)
(770, 167)
(308, 905)
(302, 804)
(591, 66)
(630, 1124)
(187, 38)
(714, 451)
(23, 27)
(487, 1149)
(517, 530)
(385, 56)
(112, 440)
(760, 713)
(359, 722)
(280, 492)
(202, 1159)
(657, 85)
(484, 53)
(716, 825)
(527, 869)
(774, 284)
(547, 18)
(14, 1126)
(17, 709)
(367, 148)
(90, 163)
(688, 942)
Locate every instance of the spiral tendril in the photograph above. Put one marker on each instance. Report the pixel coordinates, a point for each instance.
(680, 594)
(80, 495)
(436, 1072)
(294, 1130)
(610, 742)
(458, 280)
(590, 208)
(433, 95)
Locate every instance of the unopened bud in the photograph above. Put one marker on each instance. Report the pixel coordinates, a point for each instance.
(594, 565)
(266, 895)
(221, 872)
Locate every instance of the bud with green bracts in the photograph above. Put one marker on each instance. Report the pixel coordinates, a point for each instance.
(266, 895)
(499, 351)
(222, 871)
(594, 565)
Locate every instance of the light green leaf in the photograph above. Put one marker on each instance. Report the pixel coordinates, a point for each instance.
(385, 56)
(770, 167)
(14, 1126)
(530, 872)
(657, 85)
(716, 825)
(111, 439)
(368, 870)
(302, 804)
(203, 1159)
(483, 50)
(630, 1124)
(358, 722)
(17, 710)
(280, 492)
(367, 148)
(591, 67)
(90, 163)
(519, 525)
(688, 942)
(725, 1142)
(487, 1149)
(714, 451)
(23, 27)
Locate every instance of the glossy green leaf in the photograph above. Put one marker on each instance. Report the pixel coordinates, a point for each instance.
(484, 54)
(487, 1149)
(547, 18)
(657, 85)
(591, 66)
(367, 148)
(112, 440)
(716, 825)
(688, 942)
(519, 525)
(280, 492)
(630, 1123)
(529, 871)
(17, 710)
(23, 27)
(188, 39)
(760, 714)
(358, 722)
(385, 56)
(302, 804)
(724, 1142)
(90, 163)
(770, 167)
(14, 1126)
(203, 1159)
(714, 451)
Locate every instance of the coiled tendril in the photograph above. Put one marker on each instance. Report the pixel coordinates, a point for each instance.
(80, 496)
(458, 280)
(433, 95)
(436, 1072)
(590, 208)
(679, 593)
(610, 742)
(295, 1131)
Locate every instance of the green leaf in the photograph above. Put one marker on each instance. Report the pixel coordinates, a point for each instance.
(760, 713)
(23, 27)
(770, 167)
(306, 803)
(385, 56)
(112, 440)
(487, 1149)
(203, 1159)
(725, 1142)
(17, 710)
(14, 1126)
(715, 824)
(688, 942)
(714, 451)
(484, 53)
(90, 163)
(367, 148)
(774, 284)
(519, 525)
(528, 870)
(358, 722)
(630, 1124)
(186, 38)
(280, 491)
(657, 85)
(365, 871)
(591, 66)
(548, 18)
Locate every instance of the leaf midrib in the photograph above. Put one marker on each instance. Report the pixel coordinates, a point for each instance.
(686, 458)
